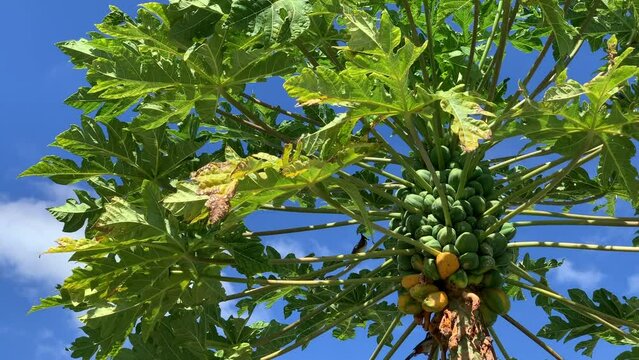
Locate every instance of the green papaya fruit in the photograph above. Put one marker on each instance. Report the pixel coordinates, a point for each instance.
(462, 227)
(468, 192)
(413, 222)
(446, 236)
(445, 156)
(488, 316)
(457, 214)
(459, 279)
(486, 222)
(430, 269)
(486, 263)
(401, 193)
(485, 248)
(434, 244)
(432, 220)
(477, 172)
(417, 262)
(471, 220)
(450, 248)
(475, 279)
(469, 261)
(478, 205)
(508, 230)
(438, 209)
(429, 199)
(455, 176)
(466, 242)
(498, 242)
(479, 190)
(425, 174)
(496, 300)
(404, 262)
(499, 209)
(420, 291)
(492, 279)
(414, 201)
(487, 183)
(423, 230)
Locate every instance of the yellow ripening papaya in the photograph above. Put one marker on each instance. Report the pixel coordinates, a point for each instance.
(411, 280)
(435, 301)
(419, 291)
(496, 300)
(447, 264)
(407, 305)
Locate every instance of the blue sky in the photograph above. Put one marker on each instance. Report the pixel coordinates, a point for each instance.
(38, 78)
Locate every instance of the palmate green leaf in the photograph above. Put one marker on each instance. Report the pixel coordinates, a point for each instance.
(155, 154)
(179, 336)
(186, 202)
(375, 81)
(64, 171)
(632, 354)
(573, 324)
(561, 121)
(564, 32)
(273, 20)
(616, 163)
(366, 36)
(604, 86)
(465, 109)
(122, 220)
(447, 8)
(75, 213)
(539, 266)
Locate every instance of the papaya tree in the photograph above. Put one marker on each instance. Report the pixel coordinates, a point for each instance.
(400, 105)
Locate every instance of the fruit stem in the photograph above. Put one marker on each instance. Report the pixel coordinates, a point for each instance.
(501, 162)
(429, 165)
(577, 216)
(462, 182)
(300, 228)
(576, 246)
(400, 159)
(297, 209)
(401, 340)
(596, 315)
(321, 193)
(532, 336)
(621, 223)
(559, 175)
(500, 345)
(288, 282)
(306, 339)
(385, 174)
(268, 288)
(381, 193)
(358, 256)
(321, 308)
(387, 334)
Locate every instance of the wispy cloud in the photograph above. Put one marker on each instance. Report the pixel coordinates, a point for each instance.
(633, 284)
(584, 278)
(300, 247)
(27, 231)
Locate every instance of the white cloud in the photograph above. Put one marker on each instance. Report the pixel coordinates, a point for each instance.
(27, 231)
(633, 284)
(300, 247)
(50, 347)
(584, 278)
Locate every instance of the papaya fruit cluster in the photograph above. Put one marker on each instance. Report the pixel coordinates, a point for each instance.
(470, 256)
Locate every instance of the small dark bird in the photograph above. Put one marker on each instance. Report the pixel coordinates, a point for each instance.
(361, 245)
(426, 346)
